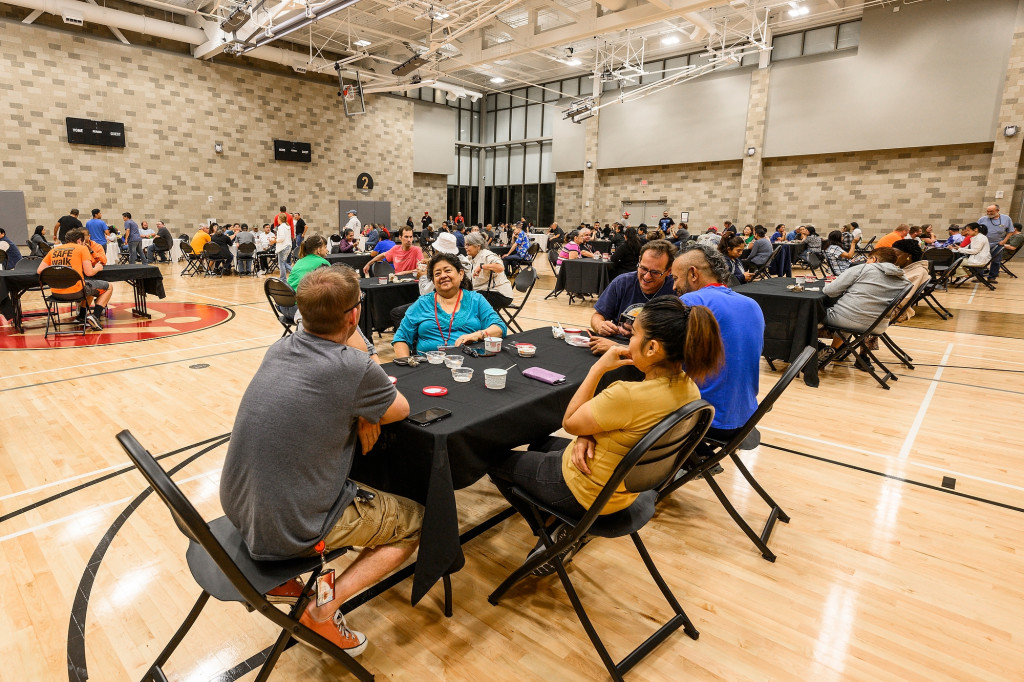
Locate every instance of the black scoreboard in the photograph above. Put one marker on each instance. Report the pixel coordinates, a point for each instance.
(102, 133)
(293, 151)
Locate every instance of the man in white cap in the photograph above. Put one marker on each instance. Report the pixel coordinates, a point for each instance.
(353, 223)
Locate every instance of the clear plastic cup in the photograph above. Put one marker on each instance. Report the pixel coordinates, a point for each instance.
(495, 378)
(435, 357)
(462, 374)
(453, 361)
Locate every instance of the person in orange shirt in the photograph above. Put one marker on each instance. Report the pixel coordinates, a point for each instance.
(201, 239)
(75, 255)
(899, 233)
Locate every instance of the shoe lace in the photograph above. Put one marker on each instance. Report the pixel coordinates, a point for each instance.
(342, 624)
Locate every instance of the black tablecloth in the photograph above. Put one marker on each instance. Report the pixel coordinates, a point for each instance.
(381, 299)
(791, 319)
(15, 282)
(783, 265)
(602, 245)
(583, 276)
(428, 463)
(356, 261)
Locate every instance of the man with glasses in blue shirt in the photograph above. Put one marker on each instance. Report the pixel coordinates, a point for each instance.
(1000, 227)
(619, 304)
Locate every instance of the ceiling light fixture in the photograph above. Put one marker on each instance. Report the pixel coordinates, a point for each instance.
(797, 10)
(670, 40)
(498, 80)
(573, 62)
(362, 43)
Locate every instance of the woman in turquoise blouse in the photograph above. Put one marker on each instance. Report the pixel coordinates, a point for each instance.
(448, 316)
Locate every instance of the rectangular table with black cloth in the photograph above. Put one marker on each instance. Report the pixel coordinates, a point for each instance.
(791, 319)
(583, 276)
(381, 299)
(145, 279)
(429, 463)
(356, 261)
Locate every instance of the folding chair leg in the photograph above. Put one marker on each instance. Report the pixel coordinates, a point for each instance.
(897, 351)
(179, 635)
(770, 363)
(1002, 266)
(868, 362)
(744, 526)
(944, 314)
(581, 613)
(688, 626)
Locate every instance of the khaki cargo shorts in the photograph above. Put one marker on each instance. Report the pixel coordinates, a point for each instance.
(385, 520)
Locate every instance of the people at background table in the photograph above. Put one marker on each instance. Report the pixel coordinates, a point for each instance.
(710, 238)
(863, 292)
(927, 236)
(779, 234)
(1000, 227)
(760, 250)
(37, 241)
(426, 220)
(855, 229)
(519, 248)
(488, 272)
(244, 236)
(556, 235)
(618, 305)
(795, 234)
(748, 234)
(349, 242)
(460, 234)
(641, 232)
(133, 240)
(75, 255)
(383, 245)
(838, 255)
(224, 258)
(426, 236)
(846, 237)
(669, 336)
(97, 227)
(813, 241)
(954, 238)
(145, 231)
(700, 275)
(449, 316)
(731, 247)
(1014, 241)
(665, 222)
(200, 240)
(283, 249)
(8, 246)
(626, 256)
(901, 232)
(682, 235)
(372, 235)
(975, 247)
(405, 257)
(65, 223)
(265, 242)
(574, 248)
(312, 255)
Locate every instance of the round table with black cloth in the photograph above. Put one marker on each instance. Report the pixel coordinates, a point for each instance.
(599, 245)
(429, 463)
(583, 276)
(381, 299)
(356, 261)
(791, 319)
(783, 265)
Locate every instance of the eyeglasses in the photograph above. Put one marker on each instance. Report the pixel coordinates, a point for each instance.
(362, 297)
(647, 271)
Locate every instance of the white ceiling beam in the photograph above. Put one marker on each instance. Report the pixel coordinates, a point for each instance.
(32, 17)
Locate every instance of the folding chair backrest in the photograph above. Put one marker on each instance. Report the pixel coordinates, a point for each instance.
(186, 248)
(382, 268)
(246, 249)
(532, 252)
(60, 277)
(44, 249)
(911, 299)
(552, 256)
(939, 256)
(882, 321)
(28, 263)
(665, 448)
(161, 243)
(814, 260)
(211, 250)
(279, 293)
(525, 280)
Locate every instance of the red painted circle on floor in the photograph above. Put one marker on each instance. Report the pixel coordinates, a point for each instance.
(120, 326)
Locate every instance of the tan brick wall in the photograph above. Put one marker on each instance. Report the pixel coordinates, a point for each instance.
(429, 193)
(878, 189)
(174, 108)
(569, 198)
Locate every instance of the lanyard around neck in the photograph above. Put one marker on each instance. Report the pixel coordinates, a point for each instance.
(451, 319)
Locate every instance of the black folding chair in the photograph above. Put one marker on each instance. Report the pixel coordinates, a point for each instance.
(553, 260)
(866, 247)
(219, 561)
(246, 257)
(815, 262)
(161, 245)
(382, 268)
(908, 303)
(525, 281)
(1002, 265)
(518, 265)
(644, 469)
(282, 301)
(61, 277)
(854, 341)
(193, 260)
(764, 271)
(747, 438)
(213, 259)
(978, 273)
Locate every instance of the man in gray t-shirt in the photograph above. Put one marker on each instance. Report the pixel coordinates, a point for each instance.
(244, 236)
(285, 482)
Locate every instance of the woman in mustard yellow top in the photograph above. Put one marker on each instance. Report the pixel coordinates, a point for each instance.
(667, 336)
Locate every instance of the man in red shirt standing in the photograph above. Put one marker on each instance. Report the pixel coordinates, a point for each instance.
(285, 217)
(405, 257)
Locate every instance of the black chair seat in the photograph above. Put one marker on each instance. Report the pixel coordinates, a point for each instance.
(262, 575)
(629, 520)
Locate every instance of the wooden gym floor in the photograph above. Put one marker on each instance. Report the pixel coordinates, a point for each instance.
(883, 573)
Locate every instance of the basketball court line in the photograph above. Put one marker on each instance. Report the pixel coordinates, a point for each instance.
(908, 442)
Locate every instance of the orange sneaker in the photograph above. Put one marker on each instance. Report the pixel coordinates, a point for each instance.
(336, 630)
(288, 593)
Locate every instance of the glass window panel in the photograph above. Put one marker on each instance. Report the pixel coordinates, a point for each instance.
(571, 87)
(515, 169)
(475, 127)
(675, 63)
(464, 166)
(787, 47)
(519, 97)
(465, 126)
(503, 101)
(530, 203)
(427, 94)
(587, 86)
(546, 208)
(532, 174)
(550, 113)
(610, 86)
(820, 40)
(453, 177)
(699, 59)
(552, 92)
(488, 205)
(726, 65)
(453, 194)
(849, 35)
(533, 94)
(533, 116)
(501, 125)
(501, 166)
(491, 99)
(751, 59)
(652, 77)
(546, 175)
(439, 97)
(474, 169)
(501, 204)
(489, 167)
(518, 123)
(489, 137)
(515, 204)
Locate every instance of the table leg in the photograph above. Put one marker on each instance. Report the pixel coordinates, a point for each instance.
(140, 309)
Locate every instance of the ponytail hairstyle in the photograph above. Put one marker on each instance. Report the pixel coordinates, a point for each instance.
(729, 241)
(310, 244)
(689, 335)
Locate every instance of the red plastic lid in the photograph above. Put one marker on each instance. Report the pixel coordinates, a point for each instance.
(435, 390)
(394, 380)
